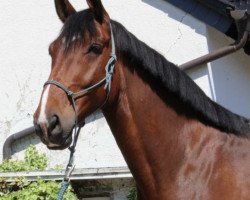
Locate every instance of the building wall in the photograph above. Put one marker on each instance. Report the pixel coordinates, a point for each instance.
(28, 27)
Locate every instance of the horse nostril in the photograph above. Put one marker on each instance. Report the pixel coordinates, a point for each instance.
(53, 122)
(54, 126)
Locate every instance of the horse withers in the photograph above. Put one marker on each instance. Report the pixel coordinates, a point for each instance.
(177, 142)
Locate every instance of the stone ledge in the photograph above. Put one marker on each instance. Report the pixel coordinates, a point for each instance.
(78, 174)
(113, 183)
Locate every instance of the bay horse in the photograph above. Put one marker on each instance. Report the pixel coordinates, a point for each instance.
(177, 142)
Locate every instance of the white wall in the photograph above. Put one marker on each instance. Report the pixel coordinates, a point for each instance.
(27, 28)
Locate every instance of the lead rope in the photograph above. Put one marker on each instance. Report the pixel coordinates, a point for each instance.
(70, 166)
(69, 169)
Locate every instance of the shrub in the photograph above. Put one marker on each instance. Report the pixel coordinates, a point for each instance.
(39, 190)
(132, 194)
(33, 160)
(21, 188)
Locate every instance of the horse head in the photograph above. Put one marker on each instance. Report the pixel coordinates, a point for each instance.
(83, 58)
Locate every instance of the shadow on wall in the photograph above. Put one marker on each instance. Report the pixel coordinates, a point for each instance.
(199, 74)
(231, 75)
(176, 14)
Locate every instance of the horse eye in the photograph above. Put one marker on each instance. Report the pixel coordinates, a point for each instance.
(95, 48)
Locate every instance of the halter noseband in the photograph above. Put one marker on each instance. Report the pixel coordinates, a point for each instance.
(109, 68)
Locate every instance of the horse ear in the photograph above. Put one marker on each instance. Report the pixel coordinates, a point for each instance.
(98, 10)
(64, 9)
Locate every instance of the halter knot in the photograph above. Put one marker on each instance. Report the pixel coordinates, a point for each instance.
(71, 149)
(70, 93)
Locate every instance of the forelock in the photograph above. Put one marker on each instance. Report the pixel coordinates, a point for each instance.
(76, 27)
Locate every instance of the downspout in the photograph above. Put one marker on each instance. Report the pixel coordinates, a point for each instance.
(224, 51)
(243, 26)
(7, 151)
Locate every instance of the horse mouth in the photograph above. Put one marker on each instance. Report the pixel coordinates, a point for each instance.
(57, 140)
(58, 143)
(62, 145)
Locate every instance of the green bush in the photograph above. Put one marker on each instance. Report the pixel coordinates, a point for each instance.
(21, 188)
(33, 160)
(132, 194)
(39, 190)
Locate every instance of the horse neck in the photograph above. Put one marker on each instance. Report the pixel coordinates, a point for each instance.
(147, 130)
(165, 150)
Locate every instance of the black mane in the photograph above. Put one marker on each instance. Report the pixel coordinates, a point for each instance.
(166, 74)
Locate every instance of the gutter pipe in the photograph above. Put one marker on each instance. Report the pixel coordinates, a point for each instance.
(7, 151)
(224, 51)
(242, 22)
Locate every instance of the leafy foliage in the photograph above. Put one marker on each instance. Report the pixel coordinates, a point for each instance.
(33, 160)
(132, 194)
(39, 190)
(21, 188)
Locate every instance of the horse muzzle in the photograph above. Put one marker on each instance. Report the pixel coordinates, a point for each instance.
(53, 135)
